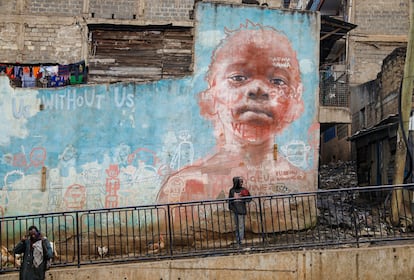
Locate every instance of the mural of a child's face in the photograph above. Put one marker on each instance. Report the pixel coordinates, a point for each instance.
(254, 85)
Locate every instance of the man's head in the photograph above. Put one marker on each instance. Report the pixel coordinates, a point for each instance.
(33, 233)
(237, 182)
(255, 90)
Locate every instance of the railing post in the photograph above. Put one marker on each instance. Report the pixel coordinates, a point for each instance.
(355, 216)
(78, 238)
(261, 222)
(169, 229)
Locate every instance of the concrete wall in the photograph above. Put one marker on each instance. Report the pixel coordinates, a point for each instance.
(334, 115)
(379, 263)
(336, 148)
(376, 100)
(382, 26)
(83, 147)
(373, 104)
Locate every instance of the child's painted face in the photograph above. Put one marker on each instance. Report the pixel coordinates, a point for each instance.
(255, 84)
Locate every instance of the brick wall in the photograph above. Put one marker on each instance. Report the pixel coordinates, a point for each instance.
(55, 7)
(378, 104)
(121, 9)
(7, 6)
(41, 31)
(169, 9)
(34, 20)
(8, 39)
(382, 27)
(366, 59)
(50, 42)
(378, 99)
(390, 15)
(391, 76)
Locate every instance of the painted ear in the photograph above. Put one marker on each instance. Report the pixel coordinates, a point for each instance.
(207, 103)
(298, 92)
(295, 111)
(297, 107)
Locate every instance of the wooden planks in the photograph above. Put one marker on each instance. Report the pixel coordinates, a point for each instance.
(139, 53)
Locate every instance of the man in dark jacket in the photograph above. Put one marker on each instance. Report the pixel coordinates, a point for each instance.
(238, 197)
(36, 250)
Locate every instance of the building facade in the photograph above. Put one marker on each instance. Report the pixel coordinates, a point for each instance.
(249, 109)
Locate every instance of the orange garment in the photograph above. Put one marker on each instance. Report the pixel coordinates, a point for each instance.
(36, 70)
(10, 72)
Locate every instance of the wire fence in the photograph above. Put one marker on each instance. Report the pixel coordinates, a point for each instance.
(334, 88)
(325, 218)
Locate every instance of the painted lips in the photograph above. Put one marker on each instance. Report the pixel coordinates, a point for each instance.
(254, 114)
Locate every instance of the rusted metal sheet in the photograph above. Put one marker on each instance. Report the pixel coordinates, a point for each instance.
(139, 53)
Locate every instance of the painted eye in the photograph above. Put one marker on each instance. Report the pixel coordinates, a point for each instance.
(278, 82)
(238, 78)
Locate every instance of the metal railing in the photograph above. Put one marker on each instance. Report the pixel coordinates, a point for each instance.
(334, 88)
(325, 218)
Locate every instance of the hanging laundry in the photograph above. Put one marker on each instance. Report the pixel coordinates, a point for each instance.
(45, 76)
(28, 79)
(64, 72)
(77, 73)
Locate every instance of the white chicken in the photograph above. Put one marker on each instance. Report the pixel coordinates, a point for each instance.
(155, 247)
(55, 253)
(53, 246)
(102, 251)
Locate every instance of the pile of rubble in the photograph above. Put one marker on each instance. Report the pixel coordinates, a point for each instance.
(336, 175)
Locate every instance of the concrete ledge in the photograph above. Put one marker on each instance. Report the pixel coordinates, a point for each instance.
(334, 115)
(384, 262)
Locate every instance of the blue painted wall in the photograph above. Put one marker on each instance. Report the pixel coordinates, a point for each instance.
(119, 144)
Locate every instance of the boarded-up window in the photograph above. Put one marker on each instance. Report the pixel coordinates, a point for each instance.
(342, 130)
(137, 53)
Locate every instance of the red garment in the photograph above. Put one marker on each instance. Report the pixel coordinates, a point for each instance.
(244, 192)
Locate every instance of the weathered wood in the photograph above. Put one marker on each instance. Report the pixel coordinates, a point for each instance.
(140, 54)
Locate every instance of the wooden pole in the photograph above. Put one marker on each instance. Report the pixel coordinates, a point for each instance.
(406, 97)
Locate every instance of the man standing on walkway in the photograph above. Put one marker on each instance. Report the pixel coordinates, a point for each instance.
(36, 250)
(239, 196)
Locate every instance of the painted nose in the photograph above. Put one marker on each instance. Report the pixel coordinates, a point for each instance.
(258, 91)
